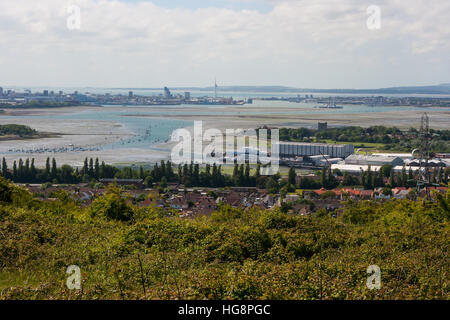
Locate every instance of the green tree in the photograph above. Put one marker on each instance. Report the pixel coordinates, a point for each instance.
(97, 169)
(247, 175)
(410, 174)
(392, 179)
(4, 168)
(235, 171)
(196, 175)
(292, 177)
(14, 173)
(163, 182)
(272, 185)
(47, 169)
(257, 172)
(54, 171)
(85, 169)
(148, 181)
(331, 180)
(386, 170)
(323, 177)
(27, 170)
(112, 206)
(404, 178)
(91, 168)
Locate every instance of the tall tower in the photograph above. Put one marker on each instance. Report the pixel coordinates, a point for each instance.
(424, 152)
(215, 89)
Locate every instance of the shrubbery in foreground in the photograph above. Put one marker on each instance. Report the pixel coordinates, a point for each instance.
(130, 253)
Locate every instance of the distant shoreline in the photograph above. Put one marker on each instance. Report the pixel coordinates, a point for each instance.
(440, 89)
(39, 135)
(43, 106)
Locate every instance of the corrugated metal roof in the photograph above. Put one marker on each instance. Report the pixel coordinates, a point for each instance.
(312, 144)
(354, 167)
(400, 155)
(371, 158)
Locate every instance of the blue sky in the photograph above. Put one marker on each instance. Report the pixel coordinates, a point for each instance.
(258, 5)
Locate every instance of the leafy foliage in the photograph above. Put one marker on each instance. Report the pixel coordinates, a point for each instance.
(112, 206)
(126, 252)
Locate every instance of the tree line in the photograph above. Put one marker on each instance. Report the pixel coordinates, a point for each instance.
(25, 171)
(190, 175)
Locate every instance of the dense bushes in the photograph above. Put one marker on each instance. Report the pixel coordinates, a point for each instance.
(112, 206)
(126, 252)
(5, 190)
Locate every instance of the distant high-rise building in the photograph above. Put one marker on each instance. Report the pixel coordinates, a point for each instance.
(167, 94)
(1, 91)
(130, 94)
(45, 92)
(187, 95)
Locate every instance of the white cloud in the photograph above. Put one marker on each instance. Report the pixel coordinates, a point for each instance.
(314, 43)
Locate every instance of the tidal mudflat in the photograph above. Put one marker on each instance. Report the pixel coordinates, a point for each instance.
(141, 134)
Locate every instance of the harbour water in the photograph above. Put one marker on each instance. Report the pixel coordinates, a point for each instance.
(151, 126)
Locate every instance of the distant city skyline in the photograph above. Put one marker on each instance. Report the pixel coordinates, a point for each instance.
(151, 44)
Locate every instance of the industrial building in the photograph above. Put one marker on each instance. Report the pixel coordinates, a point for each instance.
(324, 160)
(431, 163)
(355, 159)
(293, 149)
(353, 168)
(408, 164)
(357, 169)
(404, 156)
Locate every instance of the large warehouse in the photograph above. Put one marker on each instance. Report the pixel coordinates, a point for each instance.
(373, 160)
(293, 149)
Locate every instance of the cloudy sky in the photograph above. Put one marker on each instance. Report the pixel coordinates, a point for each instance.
(300, 43)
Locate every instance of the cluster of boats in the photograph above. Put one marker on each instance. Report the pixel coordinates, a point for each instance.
(70, 148)
(143, 135)
(329, 105)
